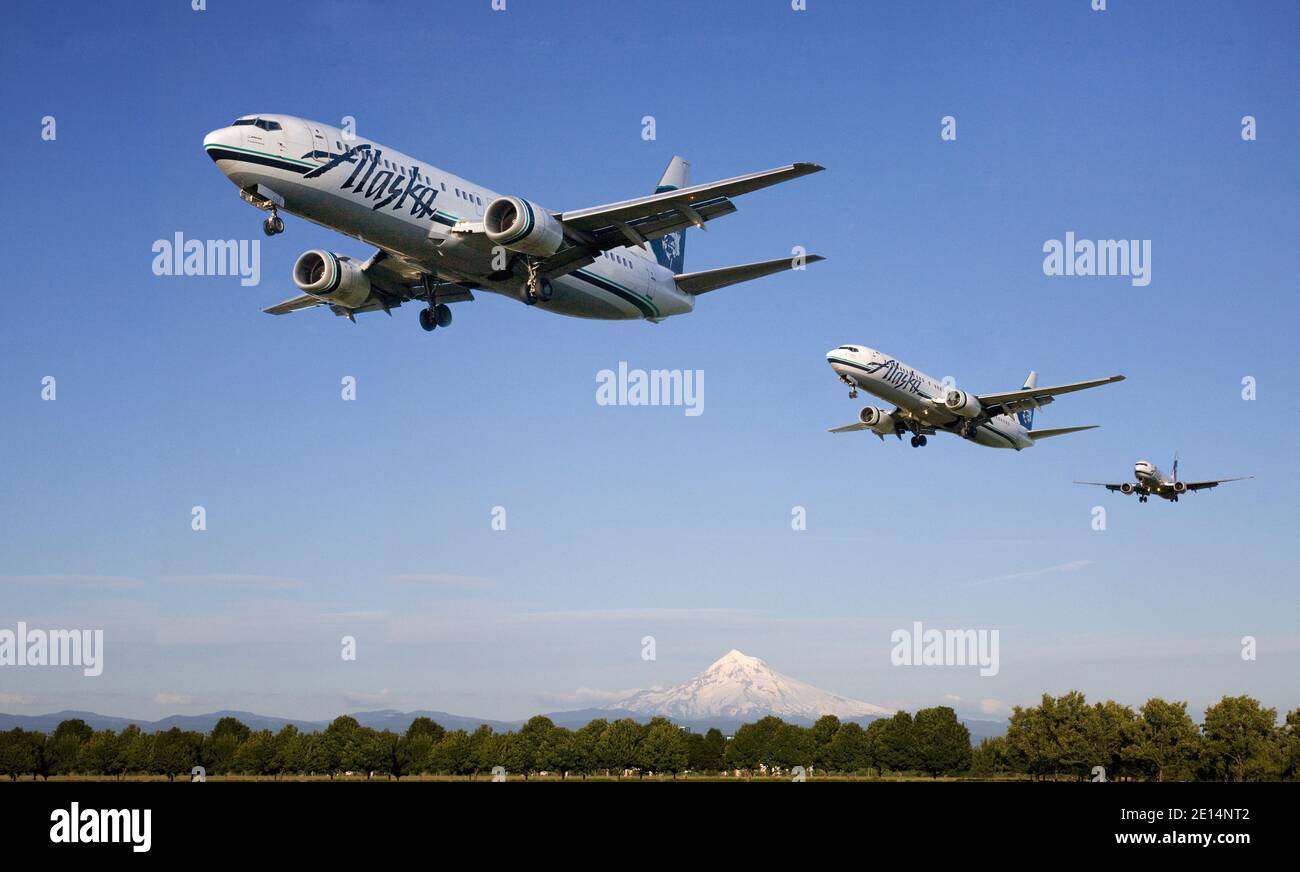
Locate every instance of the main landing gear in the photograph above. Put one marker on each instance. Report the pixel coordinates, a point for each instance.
(1141, 499)
(437, 314)
(918, 441)
(536, 288)
(273, 224)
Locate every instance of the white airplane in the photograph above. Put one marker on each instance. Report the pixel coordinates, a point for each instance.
(1150, 481)
(923, 406)
(440, 237)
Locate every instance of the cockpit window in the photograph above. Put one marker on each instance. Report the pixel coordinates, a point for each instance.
(847, 348)
(258, 122)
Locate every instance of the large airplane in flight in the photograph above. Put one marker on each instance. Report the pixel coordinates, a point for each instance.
(923, 406)
(1150, 481)
(439, 237)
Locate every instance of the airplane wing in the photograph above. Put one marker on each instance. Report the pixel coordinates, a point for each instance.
(393, 279)
(1031, 398)
(1206, 485)
(306, 301)
(1114, 487)
(589, 232)
(850, 428)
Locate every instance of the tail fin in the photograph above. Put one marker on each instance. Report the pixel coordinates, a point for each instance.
(670, 250)
(1027, 416)
(1175, 466)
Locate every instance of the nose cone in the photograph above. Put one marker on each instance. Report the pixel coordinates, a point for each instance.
(218, 142)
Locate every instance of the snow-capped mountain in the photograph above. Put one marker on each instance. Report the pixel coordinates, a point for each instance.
(738, 686)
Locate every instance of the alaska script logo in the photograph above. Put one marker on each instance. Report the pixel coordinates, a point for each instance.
(384, 186)
(894, 373)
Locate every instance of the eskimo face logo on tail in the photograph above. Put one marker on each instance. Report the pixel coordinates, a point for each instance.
(387, 187)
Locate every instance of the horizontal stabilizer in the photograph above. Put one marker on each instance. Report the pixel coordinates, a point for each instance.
(1059, 431)
(712, 279)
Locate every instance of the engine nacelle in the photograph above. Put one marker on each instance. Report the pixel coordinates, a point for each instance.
(1180, 487)
(878, 420)
(331, 278)
(962, 403)
(1126, 487)
(522, 226)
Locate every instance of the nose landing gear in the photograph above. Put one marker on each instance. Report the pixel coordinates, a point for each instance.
(273, 224)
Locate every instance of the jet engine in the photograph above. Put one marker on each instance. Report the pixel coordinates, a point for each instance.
(878, 420)
(522, 226)
(332, 278)
(962, 403)
(1180, 487)
(1126, 487)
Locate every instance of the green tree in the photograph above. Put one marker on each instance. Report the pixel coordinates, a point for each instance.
(1242, 740)
(255, 755)
(706, 752)
(175, 752)
(425, 726)
(65, 745)
(664, 748)
(894, 743)
(850, 751)
(990, 757)
(288, 751)
(1165, 743)
(617, 748)
(823, 735)
(942, 741)
(586, 744)
(99, 754)
(18, 753)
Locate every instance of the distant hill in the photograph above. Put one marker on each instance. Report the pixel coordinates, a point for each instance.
(733, 690)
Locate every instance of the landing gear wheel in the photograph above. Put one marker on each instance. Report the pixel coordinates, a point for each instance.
(536, 289)
(273, 225)
(427, 319)
(441, 315)
(916, 441)
(920, 440)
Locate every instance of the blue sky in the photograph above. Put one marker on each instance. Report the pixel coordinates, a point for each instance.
(372, 518)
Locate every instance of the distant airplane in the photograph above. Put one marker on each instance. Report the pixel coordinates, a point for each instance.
(924, 406)
(1150, 481)
(440, 237)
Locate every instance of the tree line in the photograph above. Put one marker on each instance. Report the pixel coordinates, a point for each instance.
(1060, 738)
(1065, 737)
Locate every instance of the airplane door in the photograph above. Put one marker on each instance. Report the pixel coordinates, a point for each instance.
(296, 140)
(319, 144)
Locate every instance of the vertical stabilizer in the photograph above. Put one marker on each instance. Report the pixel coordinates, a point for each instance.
(670, 250)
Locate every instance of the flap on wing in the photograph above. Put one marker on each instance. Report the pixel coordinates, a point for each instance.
(1025, 398)
(711, 280)
(306, 301)
(1204, 485)
(682, 199)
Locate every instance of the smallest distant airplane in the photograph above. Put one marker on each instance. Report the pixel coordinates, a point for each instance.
(1150, 481)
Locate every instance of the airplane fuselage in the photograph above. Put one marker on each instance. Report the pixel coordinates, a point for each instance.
(919, 396)
(392, 201)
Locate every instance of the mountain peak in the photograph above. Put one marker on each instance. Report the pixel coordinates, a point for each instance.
(737, 685)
